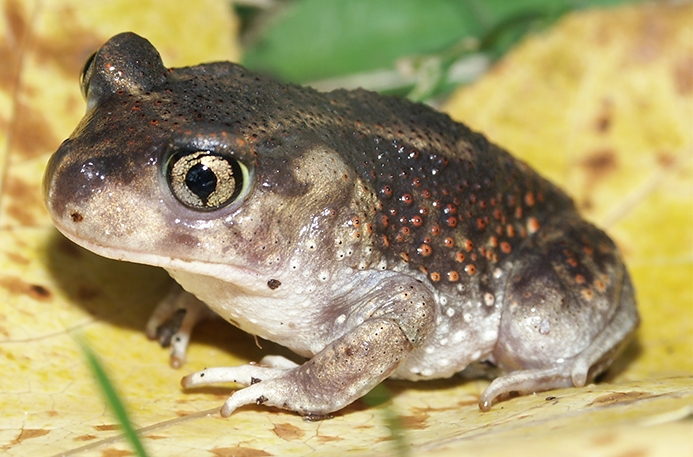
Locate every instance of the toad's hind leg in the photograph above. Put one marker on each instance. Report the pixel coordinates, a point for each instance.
(568, 308)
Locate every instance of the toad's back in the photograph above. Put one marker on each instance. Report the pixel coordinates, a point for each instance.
(449, 203)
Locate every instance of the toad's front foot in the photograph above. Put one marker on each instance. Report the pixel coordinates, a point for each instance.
(335, 377)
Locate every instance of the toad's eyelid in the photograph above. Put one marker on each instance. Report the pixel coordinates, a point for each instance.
(85, 75)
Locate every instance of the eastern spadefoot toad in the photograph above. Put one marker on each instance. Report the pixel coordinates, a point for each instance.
(373, 236)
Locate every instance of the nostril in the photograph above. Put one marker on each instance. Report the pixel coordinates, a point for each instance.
(76, 216)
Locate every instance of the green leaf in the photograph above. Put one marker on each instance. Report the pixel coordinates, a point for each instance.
(310, 40)
(315, 39)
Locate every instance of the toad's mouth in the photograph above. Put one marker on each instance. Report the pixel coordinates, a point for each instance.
(228, 272)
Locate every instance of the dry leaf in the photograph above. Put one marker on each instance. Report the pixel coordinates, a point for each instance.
(602, 104)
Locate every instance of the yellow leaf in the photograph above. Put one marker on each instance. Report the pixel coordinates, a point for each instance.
(601, 103)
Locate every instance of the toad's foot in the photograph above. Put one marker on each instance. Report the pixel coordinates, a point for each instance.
(342, 372)
(570, 308)
(569, 373)
(173, 320)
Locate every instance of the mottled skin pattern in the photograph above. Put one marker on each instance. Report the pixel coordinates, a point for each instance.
(374, 236)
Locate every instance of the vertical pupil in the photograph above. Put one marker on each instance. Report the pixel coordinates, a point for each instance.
(201, 180)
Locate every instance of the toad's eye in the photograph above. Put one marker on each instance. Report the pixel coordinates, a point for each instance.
(205, 181)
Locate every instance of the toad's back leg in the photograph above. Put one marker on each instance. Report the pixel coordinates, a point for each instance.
(568, 307)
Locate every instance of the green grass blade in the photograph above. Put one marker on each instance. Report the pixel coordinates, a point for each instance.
(393, 421)
(113, 400)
